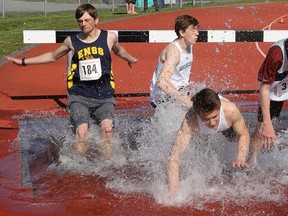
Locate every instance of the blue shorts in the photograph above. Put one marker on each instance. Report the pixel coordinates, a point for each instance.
(82, 109)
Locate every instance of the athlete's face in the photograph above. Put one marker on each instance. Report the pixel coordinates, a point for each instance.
(87, 23)
(191, 34)
(211, 119)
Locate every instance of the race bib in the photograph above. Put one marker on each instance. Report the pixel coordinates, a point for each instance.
(282, 88)
(90, 69)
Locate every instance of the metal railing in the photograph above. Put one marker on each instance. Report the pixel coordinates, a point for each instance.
(15, 7)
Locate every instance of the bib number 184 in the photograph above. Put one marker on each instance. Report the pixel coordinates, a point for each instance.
(90, 69)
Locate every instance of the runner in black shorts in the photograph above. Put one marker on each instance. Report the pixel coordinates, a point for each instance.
(275, 110)
(273, 78)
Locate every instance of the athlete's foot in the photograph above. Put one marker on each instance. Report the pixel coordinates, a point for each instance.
(81, 148)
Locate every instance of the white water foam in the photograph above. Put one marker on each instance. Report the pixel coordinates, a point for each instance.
(141, 149)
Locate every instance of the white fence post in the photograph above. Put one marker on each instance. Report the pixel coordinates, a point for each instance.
(3, 10)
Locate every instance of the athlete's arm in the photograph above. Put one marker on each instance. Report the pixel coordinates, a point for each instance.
(239, 126)
(266, 130)
(266, 76)
(172, 58)
(182, 140)
(46, 57)
(119, 50)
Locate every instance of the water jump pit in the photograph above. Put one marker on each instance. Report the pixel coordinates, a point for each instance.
(135, 177)
(55, 181)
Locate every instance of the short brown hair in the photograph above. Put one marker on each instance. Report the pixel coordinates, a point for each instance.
(90, 9)
(183, 22)
(206, 101)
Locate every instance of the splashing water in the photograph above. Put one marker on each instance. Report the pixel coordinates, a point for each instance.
(141, 149)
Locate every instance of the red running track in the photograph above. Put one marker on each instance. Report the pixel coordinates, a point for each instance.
(226, 66)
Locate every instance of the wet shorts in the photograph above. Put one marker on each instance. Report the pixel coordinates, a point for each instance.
(275, 110)
(83, 108)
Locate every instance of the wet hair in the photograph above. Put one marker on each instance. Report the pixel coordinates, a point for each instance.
(90, 9)
(183, 22)
(206, 101)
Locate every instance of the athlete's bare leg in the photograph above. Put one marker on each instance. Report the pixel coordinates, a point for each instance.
(81, 145)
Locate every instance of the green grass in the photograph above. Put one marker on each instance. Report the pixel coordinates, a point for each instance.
(11, 32)
(11, 28)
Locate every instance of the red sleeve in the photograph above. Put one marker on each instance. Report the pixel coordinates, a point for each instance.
(271, 65)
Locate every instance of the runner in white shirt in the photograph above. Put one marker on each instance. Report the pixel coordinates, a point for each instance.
(173, 68)
(209, 114)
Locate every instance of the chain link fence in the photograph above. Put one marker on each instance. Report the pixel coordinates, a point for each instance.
(26, 7)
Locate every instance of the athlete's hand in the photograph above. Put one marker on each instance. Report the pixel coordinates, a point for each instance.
(267, 134)
(132, 62)
(14, 60)
(187, 101)
(240, 164)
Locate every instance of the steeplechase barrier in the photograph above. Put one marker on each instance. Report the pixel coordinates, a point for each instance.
(153, 36)
(162, 36)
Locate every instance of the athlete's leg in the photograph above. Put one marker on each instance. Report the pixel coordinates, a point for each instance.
(254, 147)
(257, 143)
(79, 116)
(80, 143)
(104, 116)
(106, 127)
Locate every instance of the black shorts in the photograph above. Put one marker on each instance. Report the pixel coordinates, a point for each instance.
(130, 1)
(275, 110)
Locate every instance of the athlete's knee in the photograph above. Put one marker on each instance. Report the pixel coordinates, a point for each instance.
(107, 130)
(107, 127)
(82, 132)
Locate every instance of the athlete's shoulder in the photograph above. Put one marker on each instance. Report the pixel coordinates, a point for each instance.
(231, 111)
(228, 105)
(68, 41)
(112, 36)
(110, 33)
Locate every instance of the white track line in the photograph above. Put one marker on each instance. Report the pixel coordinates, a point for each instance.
(269, 28)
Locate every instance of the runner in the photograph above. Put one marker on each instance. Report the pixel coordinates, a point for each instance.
(209, 115)
(273, 78)
(90, 81)
(173, 68)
